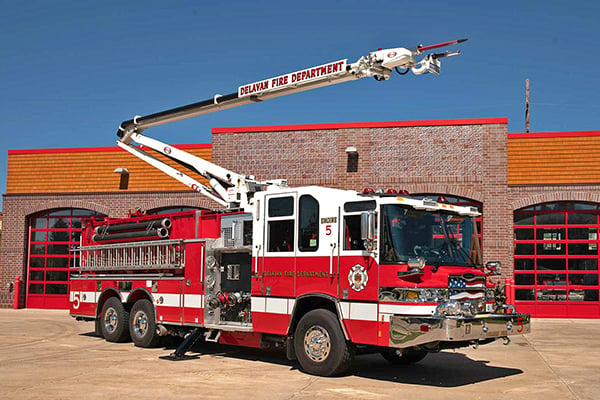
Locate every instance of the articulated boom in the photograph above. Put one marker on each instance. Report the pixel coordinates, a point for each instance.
(233, 190)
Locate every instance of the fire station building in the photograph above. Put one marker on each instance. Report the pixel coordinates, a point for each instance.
(539, 194)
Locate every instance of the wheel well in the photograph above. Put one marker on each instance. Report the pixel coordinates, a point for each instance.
(107, 294)
(309, 303)
(138, 294)
(133, 297)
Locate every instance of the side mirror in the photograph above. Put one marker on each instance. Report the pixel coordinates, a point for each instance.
(367, 226)
(493, 268)
(367, 229)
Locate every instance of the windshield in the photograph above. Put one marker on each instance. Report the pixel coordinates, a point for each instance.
(440, 238)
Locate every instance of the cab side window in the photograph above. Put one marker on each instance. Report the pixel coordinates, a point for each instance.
(308, 234)
(352, 234)
(280, 228)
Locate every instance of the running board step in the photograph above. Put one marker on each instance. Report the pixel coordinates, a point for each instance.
(212, 335)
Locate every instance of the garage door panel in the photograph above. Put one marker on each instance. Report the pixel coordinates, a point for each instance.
(556, 259)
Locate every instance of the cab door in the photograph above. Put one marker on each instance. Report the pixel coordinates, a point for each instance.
(275, 264)
(317, 246)
(359, 277)
(279, 242)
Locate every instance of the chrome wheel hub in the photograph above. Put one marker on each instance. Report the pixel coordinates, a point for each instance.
(317, 343)
(140, 323)
(110, 320)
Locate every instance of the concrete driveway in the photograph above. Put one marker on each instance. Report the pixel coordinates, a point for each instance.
(48, 355)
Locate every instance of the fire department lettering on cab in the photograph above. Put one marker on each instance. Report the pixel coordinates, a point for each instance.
(321, 272)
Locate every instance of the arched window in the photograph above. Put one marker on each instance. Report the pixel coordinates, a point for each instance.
(168, 210)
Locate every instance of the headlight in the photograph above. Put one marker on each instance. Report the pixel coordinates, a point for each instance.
(433, 295)
(414, 295)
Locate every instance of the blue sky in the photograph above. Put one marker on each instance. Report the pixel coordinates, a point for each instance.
(71, 71)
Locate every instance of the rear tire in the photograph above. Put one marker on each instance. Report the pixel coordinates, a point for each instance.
(142, 324)
(320, 345)
(113, 321)
(409, 356)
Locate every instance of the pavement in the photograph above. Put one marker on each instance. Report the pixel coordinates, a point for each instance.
(45, 354)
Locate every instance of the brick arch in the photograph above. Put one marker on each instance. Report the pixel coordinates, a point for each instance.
(555, 196)
(447, 190)
(200, 202)
(61, 204)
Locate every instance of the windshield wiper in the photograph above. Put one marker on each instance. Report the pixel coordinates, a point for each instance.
(456, 245)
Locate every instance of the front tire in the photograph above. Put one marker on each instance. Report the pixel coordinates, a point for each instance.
(113, 321)
(142, 324)
(320, 345)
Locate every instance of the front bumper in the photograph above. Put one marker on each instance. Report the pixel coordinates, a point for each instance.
(407, 331)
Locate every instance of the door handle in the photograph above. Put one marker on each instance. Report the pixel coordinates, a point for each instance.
(258, 247)
(333, 246)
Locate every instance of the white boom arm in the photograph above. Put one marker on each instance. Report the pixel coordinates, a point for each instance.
(233, 190)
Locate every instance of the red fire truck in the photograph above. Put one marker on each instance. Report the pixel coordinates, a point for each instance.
(323, 272)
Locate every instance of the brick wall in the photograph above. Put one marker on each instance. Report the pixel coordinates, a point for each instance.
(467, 160)
(13, 248)
(448, 157)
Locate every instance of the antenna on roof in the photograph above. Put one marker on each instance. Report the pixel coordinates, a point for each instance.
(526, 105)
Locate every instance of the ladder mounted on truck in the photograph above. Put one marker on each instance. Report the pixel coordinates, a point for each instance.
(141, 256)
(231, 189)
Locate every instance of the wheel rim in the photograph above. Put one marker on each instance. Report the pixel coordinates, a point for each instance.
(140, 323)
(317, 343)
(111, 320)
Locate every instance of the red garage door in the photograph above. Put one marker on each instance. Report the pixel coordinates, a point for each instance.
(556, 259)
(51, 235)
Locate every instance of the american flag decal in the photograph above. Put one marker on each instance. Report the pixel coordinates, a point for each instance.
(466, 286)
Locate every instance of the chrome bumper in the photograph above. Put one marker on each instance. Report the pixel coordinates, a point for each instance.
(407, 331)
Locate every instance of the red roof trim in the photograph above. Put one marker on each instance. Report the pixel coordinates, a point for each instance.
(552, 134)
(354, 125)
(99, 149)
